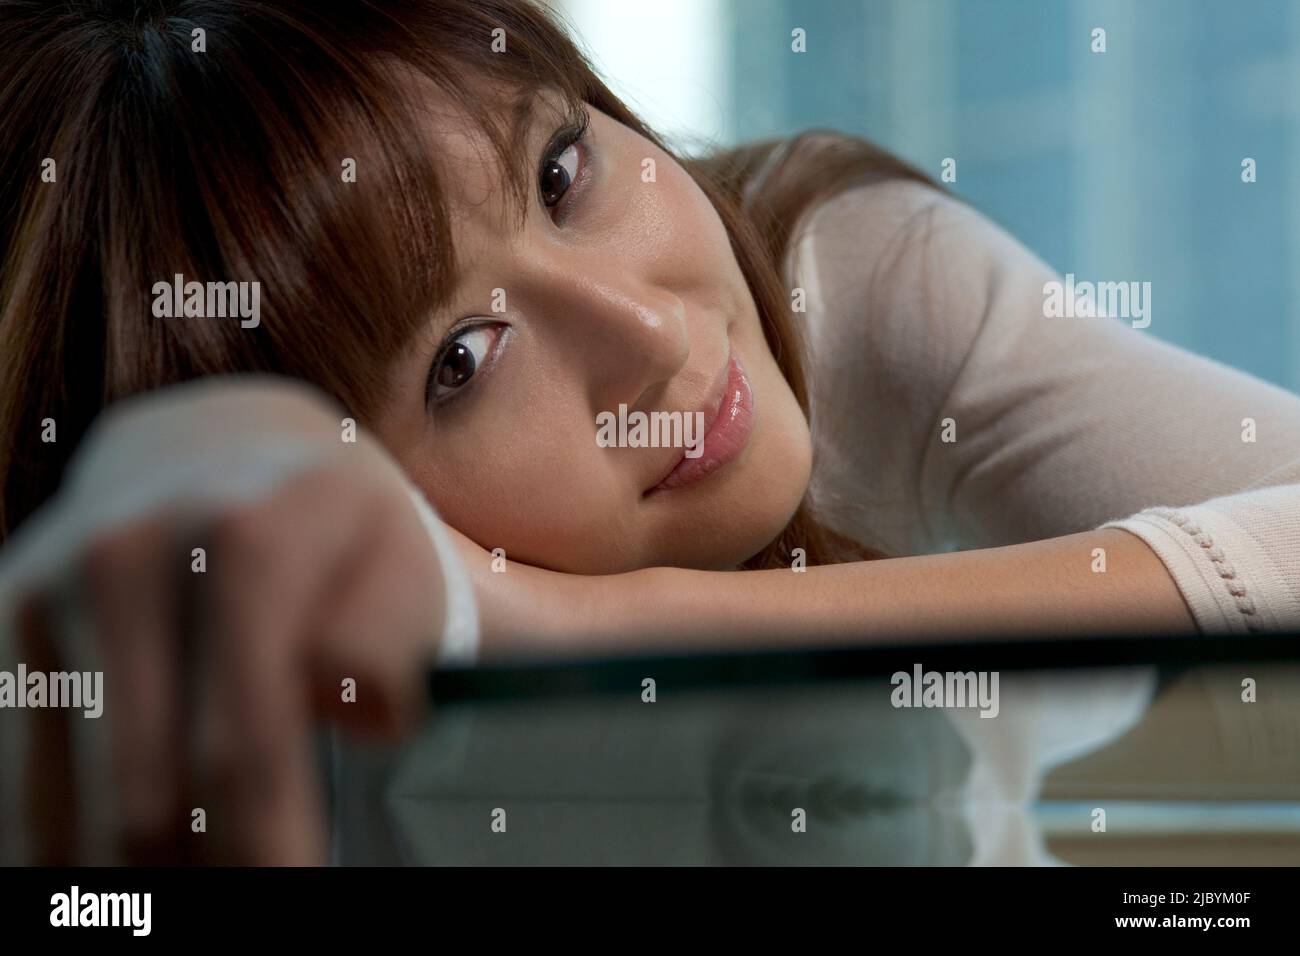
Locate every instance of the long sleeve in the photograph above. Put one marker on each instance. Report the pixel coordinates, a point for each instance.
(202, 443)
(950, 411)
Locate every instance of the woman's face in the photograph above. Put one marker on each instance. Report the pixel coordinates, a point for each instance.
(619, 288)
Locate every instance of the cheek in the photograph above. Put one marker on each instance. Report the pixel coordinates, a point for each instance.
(540, 494)
(707, 270)
(698, 230)
(671, 224)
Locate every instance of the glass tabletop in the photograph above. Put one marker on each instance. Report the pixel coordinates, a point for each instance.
(805, 760)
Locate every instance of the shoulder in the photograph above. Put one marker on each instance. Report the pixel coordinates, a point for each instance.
(907, 224)
(905, 264)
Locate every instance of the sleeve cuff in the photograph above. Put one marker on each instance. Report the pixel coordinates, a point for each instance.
(460, 632)
(1231, 582)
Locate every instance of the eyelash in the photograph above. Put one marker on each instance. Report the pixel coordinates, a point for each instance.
(574, 134)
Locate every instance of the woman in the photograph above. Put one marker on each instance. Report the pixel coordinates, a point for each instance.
(466, 245)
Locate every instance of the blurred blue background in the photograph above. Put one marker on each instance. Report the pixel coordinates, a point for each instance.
(1123, 165)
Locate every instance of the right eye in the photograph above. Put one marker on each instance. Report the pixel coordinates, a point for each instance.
(459, 359)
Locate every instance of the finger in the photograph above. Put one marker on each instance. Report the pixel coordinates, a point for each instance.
(129, 578)
(268, 564)
(51, 796)
(378, 629)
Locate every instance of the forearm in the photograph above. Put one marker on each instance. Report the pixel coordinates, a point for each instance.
(1040, 588)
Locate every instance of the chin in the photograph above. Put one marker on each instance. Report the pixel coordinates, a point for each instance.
(782, 504)
(749, 514)
(750, 532)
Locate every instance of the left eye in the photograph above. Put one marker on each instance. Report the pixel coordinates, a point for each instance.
(558, 174)
(460, 359)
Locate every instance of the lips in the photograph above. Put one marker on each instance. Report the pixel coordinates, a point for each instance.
(726, 432)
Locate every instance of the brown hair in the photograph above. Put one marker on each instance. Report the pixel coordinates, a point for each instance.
(226, 163)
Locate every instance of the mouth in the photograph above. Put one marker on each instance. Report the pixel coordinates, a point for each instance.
(729, 421)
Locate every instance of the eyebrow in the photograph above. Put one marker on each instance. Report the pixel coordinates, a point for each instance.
(523, 165)
(522, 116)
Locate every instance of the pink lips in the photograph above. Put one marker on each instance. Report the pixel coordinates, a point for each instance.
(725, 436)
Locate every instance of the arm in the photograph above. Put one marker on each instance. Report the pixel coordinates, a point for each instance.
(1043, 588)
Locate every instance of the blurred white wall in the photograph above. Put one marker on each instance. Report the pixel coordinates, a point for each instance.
(668, 60)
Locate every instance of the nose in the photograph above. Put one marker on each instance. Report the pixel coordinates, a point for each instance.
(626, 327)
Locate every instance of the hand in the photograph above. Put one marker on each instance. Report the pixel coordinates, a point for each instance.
(213, 680)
